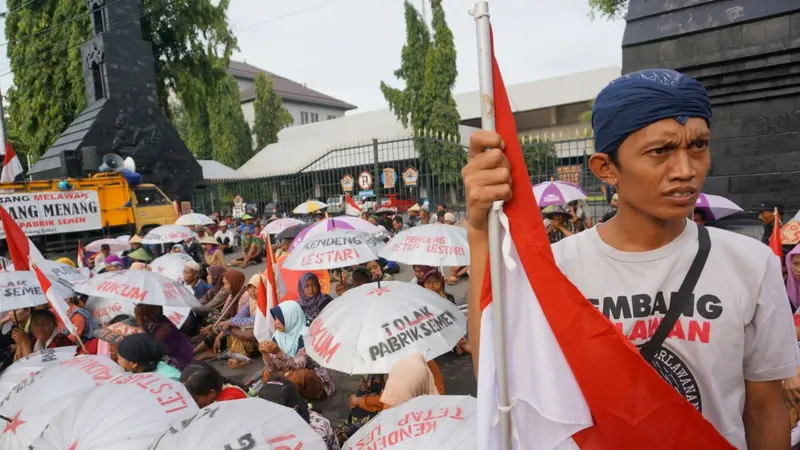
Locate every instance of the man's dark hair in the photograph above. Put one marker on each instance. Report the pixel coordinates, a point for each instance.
(701, 213)
(614, 158)
(398, 219)
(105, 247)
(44, 313)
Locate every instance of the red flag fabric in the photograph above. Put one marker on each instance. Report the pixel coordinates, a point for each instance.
(351, 208)
(775, 237)
(56, 298)
(631, 406)
(267, 298)
(19, 246)
(11, 165)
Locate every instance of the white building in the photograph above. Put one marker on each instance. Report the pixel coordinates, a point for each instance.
(304, 104)
(549, 108)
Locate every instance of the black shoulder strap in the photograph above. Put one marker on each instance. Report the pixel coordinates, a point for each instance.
(678, 302)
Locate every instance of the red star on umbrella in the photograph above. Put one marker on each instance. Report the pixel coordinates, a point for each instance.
(74, 446)
(379, 291)
(13, 424)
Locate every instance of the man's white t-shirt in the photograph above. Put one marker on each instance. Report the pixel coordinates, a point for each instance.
(737, 327)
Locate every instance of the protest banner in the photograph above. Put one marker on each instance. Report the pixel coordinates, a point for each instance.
(53, 212)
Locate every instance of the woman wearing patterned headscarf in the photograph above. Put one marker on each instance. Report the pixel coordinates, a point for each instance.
(312, 299)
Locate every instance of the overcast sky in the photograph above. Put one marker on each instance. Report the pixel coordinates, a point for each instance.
(344, 48)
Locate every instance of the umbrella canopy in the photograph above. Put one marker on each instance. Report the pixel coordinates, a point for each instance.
(429, 245)
(104, 309)
(291, 232)
(114, 245)
(166, 234)
(337, 248)
(716, 207)
(337, 223)
(443, 422)
(58, 272)
(20, 290)
(139, 286)
(309, 207)
(171, 265)
(194, 219)
(126, 413)
(23, 368)
(371, 327)
(33, 402)
(276, 226)
(253, 423)
(556, 193)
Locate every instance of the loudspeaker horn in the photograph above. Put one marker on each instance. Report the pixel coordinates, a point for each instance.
(111, 162)
(129, 164)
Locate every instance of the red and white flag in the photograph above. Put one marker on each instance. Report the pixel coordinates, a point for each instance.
(56, 297)
(775, 238)
(351, 208)
(80, 255)
(574, 380)
(11, 165)
(264, 326)
(20, 249)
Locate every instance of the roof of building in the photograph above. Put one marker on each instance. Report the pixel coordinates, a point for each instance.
(286, 88)
(537, 94)
(307, 150)
(213, 170)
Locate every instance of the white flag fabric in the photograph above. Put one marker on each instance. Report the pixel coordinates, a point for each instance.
(264, 326)
(56, 295)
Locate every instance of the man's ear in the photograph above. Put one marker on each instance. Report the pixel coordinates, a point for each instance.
(602, 167)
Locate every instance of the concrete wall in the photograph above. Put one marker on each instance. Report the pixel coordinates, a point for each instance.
(747, 54)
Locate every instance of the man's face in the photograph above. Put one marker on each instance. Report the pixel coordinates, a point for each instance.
(767, 216)
(661, 168)
(223, 228)
(698, 218)
(189, 275)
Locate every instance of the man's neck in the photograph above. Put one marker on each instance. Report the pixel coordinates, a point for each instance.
(633, 231)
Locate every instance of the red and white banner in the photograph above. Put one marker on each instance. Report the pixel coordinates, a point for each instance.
(575, 381)
(264, 326)
(53, 212)
(351, 208)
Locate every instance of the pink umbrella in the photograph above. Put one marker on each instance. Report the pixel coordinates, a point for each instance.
(556, 193)
(716, 207)
(338, 223)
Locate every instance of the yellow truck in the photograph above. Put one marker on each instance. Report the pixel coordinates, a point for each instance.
(55, 214)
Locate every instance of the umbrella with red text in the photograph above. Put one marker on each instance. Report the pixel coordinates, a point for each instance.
(252, 424)
(334, 223)
(138, 286)
(429, 245)
(32, 403)
(370, 327)
(127, 412)
(334, 249)
(171, 265)
(30, 365)
(443, 422)
(166, 234)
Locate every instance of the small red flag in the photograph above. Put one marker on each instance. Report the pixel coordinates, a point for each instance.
(775, 237)
(19, 246)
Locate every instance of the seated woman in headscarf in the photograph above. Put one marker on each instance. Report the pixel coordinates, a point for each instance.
(283, 392)
(419, 274)
(233, 338)
(44, 334)
(434, 282)
(113, 263)
(215, 297)
(140, 353)
(312, 300)
(376, 269)
(178, 349)
(286, 354)
(409, 378)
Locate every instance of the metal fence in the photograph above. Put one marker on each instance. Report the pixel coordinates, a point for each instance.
(392, 169)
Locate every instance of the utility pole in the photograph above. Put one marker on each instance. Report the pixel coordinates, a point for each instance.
(425, 11)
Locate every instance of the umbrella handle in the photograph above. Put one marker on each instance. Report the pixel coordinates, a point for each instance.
(6, 419)
(238, 295)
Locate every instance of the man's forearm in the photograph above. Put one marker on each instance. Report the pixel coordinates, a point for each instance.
(766, 423)
(479, 255)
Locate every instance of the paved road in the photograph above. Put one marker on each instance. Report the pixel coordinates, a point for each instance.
(456, 370)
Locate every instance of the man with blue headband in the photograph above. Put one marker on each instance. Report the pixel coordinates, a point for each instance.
(729, 341)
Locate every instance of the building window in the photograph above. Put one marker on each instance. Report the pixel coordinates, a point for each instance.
(330, 117)
(97, 82)
(97, 18)
(314, 117)
(303, 117)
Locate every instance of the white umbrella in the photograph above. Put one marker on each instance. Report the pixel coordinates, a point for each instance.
(556, 193)
(138, 286)
(310, 207)
(36, 400)
(252, 424)
(371, 327)
(23, 368)
(104, 309)
(113, 244)
(125, 413)
(328, 225)
(171, 265)
(337, 248)
(56, 271)
(429, 245)
(276, 226)
(166, 234)
(123, 238)
(20, 290)
(193, 219)
(443, 422)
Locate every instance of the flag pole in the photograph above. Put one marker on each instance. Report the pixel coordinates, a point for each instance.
(484, 36)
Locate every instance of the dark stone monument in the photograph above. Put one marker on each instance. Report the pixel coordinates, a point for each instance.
(123, 115)
(747, 54)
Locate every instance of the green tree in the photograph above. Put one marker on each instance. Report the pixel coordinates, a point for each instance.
(586, 116)
(426, 105)
(231, 142)
(609, 9)
(191, 46)
(540, 158)
(270, 115)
